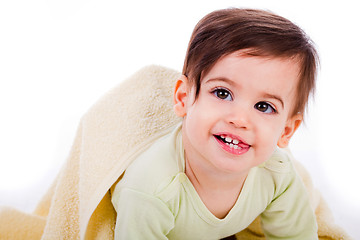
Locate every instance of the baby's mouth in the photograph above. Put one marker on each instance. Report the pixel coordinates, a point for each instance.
(232, 142)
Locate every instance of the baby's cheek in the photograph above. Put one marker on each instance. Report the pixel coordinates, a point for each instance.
(268, 140)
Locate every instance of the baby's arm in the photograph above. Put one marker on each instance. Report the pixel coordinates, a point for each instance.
(289, 215)
(140, 216)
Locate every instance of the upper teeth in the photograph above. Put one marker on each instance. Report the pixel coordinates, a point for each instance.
(229, 140)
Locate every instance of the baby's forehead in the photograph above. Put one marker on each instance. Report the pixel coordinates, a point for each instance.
(261, 61)
(265, 74)
(258, 53)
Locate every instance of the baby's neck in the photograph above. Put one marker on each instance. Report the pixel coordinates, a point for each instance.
(218, 191)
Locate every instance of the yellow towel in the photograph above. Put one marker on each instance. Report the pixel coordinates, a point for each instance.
(110, 135)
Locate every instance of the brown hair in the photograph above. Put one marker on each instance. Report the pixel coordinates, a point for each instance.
(262, 33)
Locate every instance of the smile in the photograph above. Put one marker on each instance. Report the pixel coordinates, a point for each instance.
(231, 144)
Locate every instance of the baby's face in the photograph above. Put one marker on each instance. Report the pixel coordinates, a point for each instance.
(241, 113)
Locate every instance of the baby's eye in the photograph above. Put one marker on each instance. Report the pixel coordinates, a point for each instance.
(265, 107)
(223, 94)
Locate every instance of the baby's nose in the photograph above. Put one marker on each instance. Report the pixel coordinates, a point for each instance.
(240, 118)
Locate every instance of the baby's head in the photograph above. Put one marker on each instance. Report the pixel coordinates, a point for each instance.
(246, 82)
(257, 33)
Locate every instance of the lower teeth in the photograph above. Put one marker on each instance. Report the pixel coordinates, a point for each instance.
(233, 146)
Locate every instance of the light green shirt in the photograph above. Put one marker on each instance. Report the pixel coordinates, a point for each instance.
(156, 200)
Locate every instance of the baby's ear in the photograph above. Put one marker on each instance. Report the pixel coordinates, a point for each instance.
(180, 96)
(291, 126)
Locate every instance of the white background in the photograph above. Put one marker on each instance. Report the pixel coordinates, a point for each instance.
(58, 57)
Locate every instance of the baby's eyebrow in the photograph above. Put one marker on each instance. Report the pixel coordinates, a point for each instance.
(221, 79)
(268, 95)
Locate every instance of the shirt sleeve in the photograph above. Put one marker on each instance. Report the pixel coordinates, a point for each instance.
(289, 215)
(141, 216)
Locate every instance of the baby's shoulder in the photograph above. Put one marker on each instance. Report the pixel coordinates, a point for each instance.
(280, 162)
(277, 170)
(152, 168)
(276, 174)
